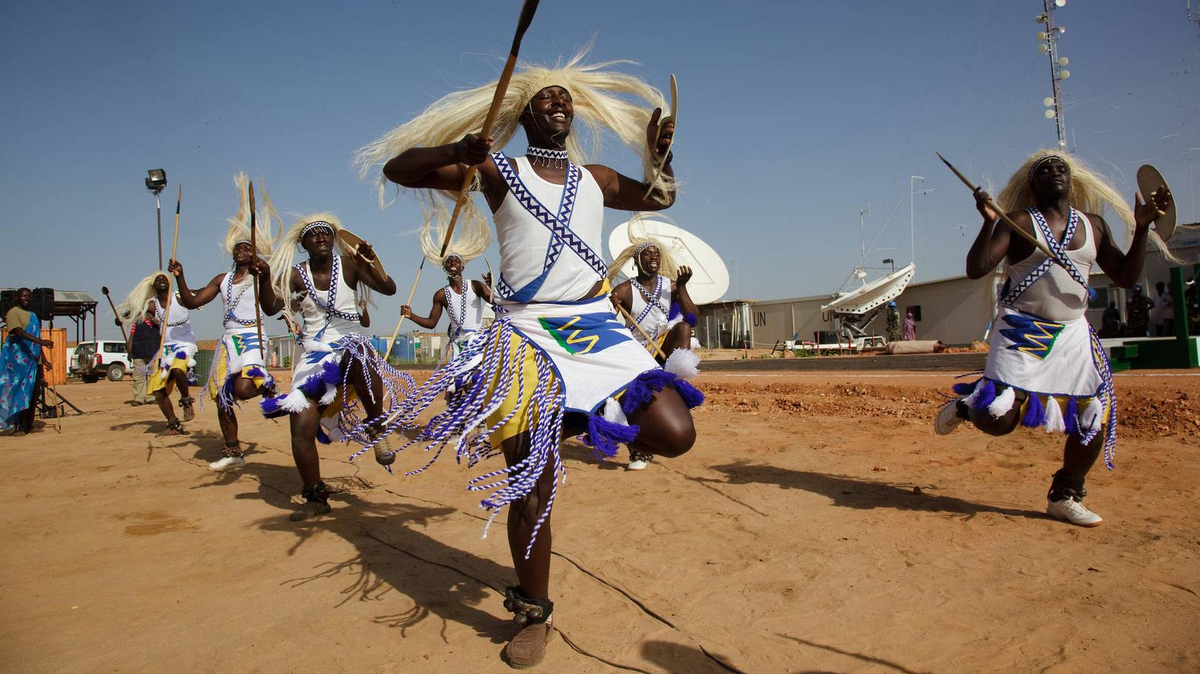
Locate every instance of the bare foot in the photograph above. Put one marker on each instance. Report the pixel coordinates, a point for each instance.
(173, 427)
(189, 413)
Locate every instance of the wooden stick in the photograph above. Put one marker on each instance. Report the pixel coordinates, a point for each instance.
(104, 289)
(408, 302)
(46, 385)
(1002, 216)
(166, 320)
(649, 340)
(254, 248)
(527, 11)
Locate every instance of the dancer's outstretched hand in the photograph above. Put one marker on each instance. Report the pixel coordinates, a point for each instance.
(657, 141)
(1158, 203)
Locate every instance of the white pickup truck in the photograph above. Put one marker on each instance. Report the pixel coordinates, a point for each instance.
(111, 361)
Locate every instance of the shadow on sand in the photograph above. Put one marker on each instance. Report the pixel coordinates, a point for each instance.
(393, 555)
(849, 492)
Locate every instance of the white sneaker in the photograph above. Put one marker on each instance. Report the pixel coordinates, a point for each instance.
(638, 462)
(1070, 510)
(227, 463)
(947, 418)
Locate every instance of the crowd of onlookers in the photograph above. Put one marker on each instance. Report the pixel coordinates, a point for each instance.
(1151, 316)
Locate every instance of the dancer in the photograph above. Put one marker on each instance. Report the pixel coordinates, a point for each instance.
(21, 365)
(339, 380)
(238, 370)
(1046, 367)
(462, 300)
(662, 312)
(555, 361)
(172, 366)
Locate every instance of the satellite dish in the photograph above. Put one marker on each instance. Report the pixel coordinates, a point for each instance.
(710, 277)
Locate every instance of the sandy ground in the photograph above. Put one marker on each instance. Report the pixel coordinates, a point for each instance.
(817, 526)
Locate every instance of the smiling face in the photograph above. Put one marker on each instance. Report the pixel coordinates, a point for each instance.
(453, 266)
(161, 284)
(1051, 179)
(243, 253)
(24, 297)
(547, 119)
(648, 260)
(318, 242)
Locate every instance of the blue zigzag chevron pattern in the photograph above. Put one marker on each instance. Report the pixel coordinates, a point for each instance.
(1030, 334)
(559, 225)
(1056, 247)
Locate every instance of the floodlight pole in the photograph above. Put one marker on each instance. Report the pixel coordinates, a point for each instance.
(1052, 33)
(158, 207)
(912, 236)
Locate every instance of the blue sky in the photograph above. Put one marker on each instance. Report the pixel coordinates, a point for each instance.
(795, 116)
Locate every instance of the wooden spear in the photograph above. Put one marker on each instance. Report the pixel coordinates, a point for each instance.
(649, 340)
(254, 248)
(1002, 215)
(104, 289)
(527, 11)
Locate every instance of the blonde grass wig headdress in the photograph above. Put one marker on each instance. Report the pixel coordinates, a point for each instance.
(467, 246)
(137, 301)
(1090, 192)
(239, 224)
(640, 240)
(603, 100)
(284, 256)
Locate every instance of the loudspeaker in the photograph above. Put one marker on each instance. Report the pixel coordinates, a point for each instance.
(8, 297)
(42, 303)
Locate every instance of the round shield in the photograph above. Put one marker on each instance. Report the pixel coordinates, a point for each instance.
(1149, 180)
(350, 244)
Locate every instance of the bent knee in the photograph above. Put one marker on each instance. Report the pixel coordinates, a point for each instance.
(676, 440)
(986, 423)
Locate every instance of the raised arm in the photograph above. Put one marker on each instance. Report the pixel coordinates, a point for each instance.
(197, 299)
(435, 312)
(187, 298)
(993, 241)
(1125, 268)
(624, 193)
(681, 293)
(444, 167)
(360, 269)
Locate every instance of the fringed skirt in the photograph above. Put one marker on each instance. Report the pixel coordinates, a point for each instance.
(238, 354)
(1062, 370)
(321, 376)
(175, 356)
(536, 363)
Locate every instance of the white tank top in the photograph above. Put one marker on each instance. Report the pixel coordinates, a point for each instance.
(322, 322)
(550, 236)
(652, 315)
(1053, 293)
(238, 303)
(179, 327)
(465, 309)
